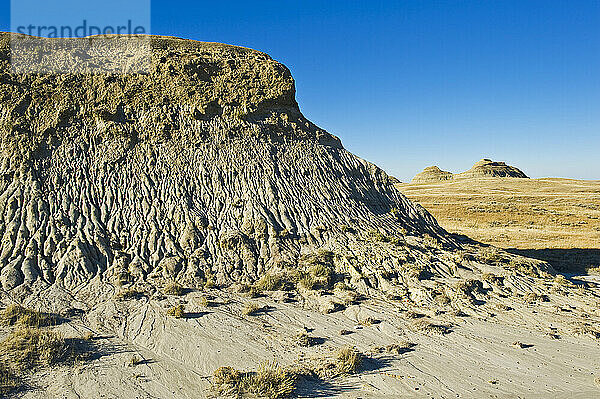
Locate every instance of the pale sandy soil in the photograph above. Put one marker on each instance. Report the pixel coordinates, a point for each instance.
(476, 359)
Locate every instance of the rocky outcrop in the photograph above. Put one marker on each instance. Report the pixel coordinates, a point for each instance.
(483, 168)
(432, 174)
(204, 168)
(489, 168)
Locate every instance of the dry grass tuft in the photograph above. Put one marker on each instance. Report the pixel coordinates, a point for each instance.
(19, 315)
(348, 360)
(533, 297)
(134, 360)
(251, 309)
(270, 380)
(396, 349)
(227, 381)
(28, 348)
(428, 327)
(8, 381)
(369, 321)
(176, 311)
(174, 288)
(586, 330)
(305, 340)
(130, 293)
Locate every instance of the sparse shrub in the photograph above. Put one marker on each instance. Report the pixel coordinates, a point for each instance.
(493, 279)
(416, 271)
(320, 271)
(397, 241)
(413, 315)
(19, 315)
(345, 293)
(396, 349)
(345, 332)
(349, 360)
(251, 309)
(466, 288)
(586, 329)
(307, 282)
(442, 299)
(593, 270)
(561, 280)
(174, 288)
(176, 311)
(347, 229)
(285, 280)
(269, 282)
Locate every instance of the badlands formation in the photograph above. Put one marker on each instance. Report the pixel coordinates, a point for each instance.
(188, 233)
(482, 168)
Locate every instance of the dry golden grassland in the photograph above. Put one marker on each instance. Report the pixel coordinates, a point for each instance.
(557, 220)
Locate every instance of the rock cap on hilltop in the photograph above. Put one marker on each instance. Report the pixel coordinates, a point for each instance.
(489, 168)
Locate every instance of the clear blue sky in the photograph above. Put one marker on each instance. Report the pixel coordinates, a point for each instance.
(407, 84)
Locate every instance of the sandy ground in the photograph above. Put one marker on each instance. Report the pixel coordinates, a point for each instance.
(476, 359)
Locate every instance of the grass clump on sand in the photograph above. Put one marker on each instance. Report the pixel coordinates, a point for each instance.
(348, 360)
(428, 327)
(176, 311)
(276, 280)
(28, 348)
(270, 380)
(19, 315)
(174, 288)
(130, 293)
(251, 309)
(319, 271)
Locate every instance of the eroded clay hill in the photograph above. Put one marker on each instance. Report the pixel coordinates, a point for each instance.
(204, 168)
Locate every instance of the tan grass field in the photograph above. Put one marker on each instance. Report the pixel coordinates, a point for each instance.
(557, 220)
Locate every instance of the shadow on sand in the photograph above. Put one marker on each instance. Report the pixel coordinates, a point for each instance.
(316, 387)
(564, 260)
